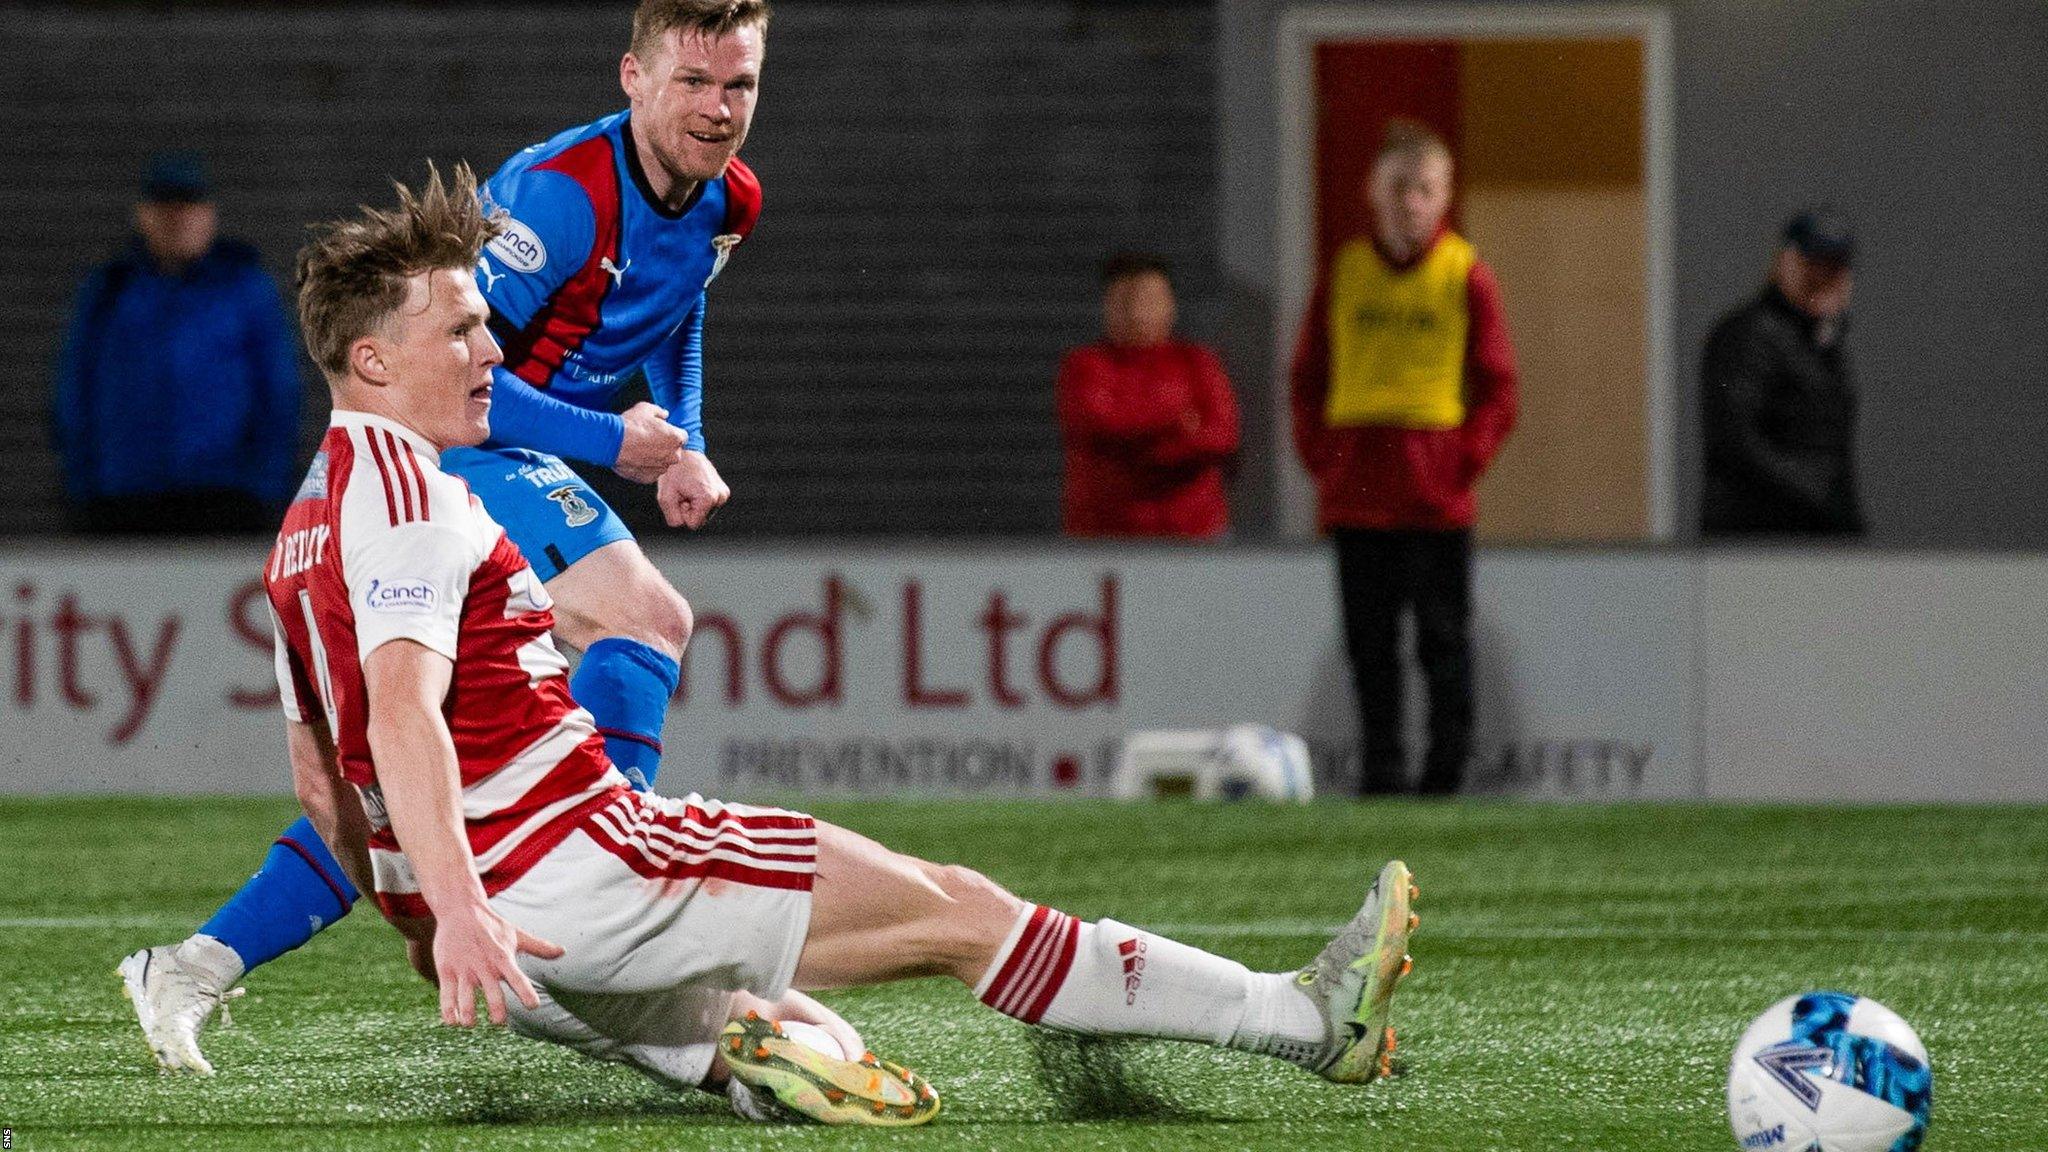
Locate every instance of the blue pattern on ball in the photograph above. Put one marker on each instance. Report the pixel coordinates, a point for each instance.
(1865, 1063)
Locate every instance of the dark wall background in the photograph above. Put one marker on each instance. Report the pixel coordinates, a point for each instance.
(1925, 120)
(941, 179)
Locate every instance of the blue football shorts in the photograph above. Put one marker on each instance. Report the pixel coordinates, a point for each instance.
(544, 506)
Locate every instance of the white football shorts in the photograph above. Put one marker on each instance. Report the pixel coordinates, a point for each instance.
(663, 908)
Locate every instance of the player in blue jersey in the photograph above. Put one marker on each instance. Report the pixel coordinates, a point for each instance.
(611, 234)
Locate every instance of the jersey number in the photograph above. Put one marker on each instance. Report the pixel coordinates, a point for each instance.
(323, 680)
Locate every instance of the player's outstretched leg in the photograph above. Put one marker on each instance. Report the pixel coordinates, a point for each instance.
(299, 891)
(878, 915)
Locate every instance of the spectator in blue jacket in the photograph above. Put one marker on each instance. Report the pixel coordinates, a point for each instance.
(177, 391)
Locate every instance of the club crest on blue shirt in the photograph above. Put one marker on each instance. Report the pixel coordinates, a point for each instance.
(575, 509)
(724, 246)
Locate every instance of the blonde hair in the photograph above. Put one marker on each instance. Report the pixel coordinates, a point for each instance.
(1410, 140)
(653, 18)
(352, 273)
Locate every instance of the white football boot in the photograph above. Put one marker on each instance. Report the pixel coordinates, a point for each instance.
(173, 997)
(1352, 981)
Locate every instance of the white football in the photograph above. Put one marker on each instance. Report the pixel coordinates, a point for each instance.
(812, 1036)
(1830, 1072)
(1249, 761)
(761, 1107)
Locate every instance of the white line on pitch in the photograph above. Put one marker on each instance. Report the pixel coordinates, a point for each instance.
(91, 922)
(1624, 933)
(1314, 928)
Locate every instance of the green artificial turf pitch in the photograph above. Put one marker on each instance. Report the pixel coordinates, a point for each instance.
(1582, 974)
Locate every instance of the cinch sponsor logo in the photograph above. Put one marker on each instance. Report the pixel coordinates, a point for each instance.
(1765, 1138)
(518, 247)
(574, 367)
(412, 596)
(1133, 953)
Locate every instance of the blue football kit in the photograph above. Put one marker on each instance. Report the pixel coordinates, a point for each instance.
(592, 279)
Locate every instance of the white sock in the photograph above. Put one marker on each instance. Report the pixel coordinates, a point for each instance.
(1109, 979)
(215, 960)
(1282, 1021)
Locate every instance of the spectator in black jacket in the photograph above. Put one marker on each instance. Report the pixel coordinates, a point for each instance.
(1779, 401)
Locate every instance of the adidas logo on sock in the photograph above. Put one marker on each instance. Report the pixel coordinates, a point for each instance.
(1133, 953)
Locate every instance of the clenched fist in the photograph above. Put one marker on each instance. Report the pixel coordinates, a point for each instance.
(690, 491)
(651, 446)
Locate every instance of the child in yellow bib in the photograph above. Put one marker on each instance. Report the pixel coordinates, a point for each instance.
(1397, 337)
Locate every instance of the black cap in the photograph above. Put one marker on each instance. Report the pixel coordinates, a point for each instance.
(1822, 234)
(176, 178)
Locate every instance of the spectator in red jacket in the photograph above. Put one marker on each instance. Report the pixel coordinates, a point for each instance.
(1149, 421)
(1404, 389)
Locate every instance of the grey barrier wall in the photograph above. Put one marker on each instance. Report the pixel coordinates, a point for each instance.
(1730, 675)
(1834, 677)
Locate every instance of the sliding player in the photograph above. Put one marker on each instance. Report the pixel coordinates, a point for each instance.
(612, 232)
(435, 743)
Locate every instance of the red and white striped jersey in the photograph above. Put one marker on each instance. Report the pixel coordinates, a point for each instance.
(381, 545)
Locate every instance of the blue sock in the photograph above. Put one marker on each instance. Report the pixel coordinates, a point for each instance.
(627, 686)
(300, 890)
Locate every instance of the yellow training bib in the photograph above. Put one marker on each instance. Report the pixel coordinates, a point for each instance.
(1397, 337)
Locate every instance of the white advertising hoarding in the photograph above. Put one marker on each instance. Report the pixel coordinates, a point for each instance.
(817, 669)
(1832, 677)
(1018, 670)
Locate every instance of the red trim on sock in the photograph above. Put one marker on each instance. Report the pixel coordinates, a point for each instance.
(1037, 966)
(339, 897)
(1038, 963)
(635, 737)
(1008, 973)
(1061, 965)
